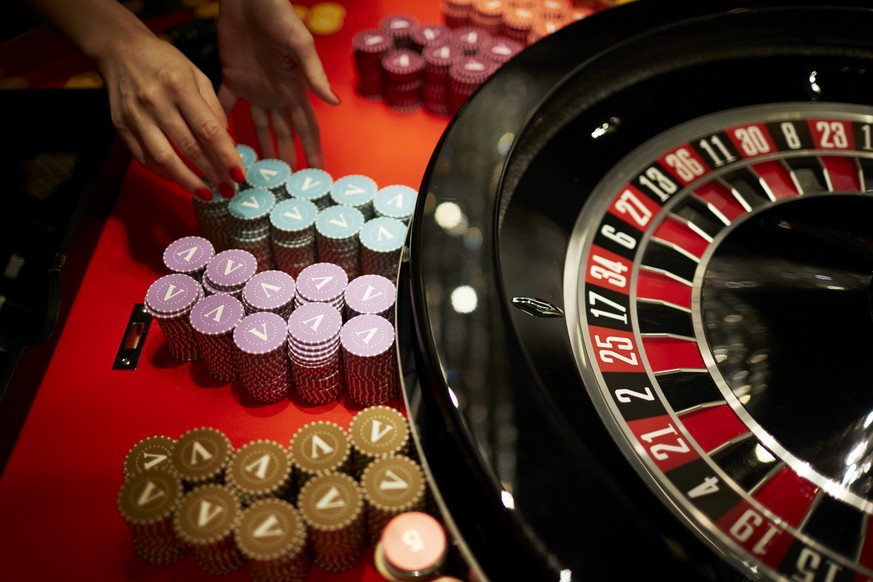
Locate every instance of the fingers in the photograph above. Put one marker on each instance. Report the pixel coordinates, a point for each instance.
(178, 124)
(286, 148)
(306, 124)
(303, 47)
(313, 70)
(263, 131)
(205, 139)
(152, 148)
(286, 125)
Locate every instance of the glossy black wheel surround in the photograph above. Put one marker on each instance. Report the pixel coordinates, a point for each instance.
(532, 482)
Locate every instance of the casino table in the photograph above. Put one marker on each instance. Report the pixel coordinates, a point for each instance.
(633, 318)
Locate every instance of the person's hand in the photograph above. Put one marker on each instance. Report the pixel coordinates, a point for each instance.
(268, 58)
(163, 107)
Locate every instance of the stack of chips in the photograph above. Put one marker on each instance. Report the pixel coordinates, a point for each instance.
(470, 39)
(465, 77)
(263, 367)
(147, 501)
(385, 57)
(369, 46)
(213, 320)
(396, 201)
(369, 359)
(259, 469)
(229, 271)
(322, 283)
(333, 508)
(488, 15)
(370, 294)
(349, 485)
(381, 243)
(428, 35)
(357, 191)
(391, 486)
(377, 432)
(437, 63)
(272, 535)
(170, 300)
(152, 452)
(518, 21)
(554, 10)
(269, 174)
(211, 216)
(336, 238)
(205, 520)
(314, 351)
(292, 234)
(200, 456)
(500, 50)
(413, 546)
(188, 255)
(456, 13)
(317, 448)
(403, 79)
(249, 224)
(399, 27)
(312, 184)
(271, 291)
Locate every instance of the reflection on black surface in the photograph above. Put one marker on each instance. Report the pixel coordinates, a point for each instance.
(786, 307)
(539, 487)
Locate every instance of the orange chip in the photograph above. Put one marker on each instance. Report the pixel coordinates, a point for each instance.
(206, 11)
(489, 7)
(13, 82)
(322, 25)
(329, 10)
(86, 80)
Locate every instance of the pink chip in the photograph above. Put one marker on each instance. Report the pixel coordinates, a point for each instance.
(414, 542)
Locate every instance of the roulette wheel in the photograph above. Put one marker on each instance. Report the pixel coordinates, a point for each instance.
(635, 316)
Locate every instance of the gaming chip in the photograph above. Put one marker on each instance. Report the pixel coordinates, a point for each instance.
(413, 546)
(213, 320)
(152, 452)
(271, 174)
(188, 255)
(259, 469)
(205, 519)
(272, 535)
(332, 506)
(391, 486)
(200, 455)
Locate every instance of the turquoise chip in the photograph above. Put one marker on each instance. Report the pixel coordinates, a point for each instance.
(268, 174)
(339, 222)
(292, 215)
(396, 201)
(383, 234)
(252, 203)
(247, 155)
(309, 184)
(354, 190)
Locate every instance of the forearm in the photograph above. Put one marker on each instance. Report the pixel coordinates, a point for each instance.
(93, 26)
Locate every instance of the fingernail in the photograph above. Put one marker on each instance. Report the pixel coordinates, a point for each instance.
(226, 190)
(203, 193)
(238, 175)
